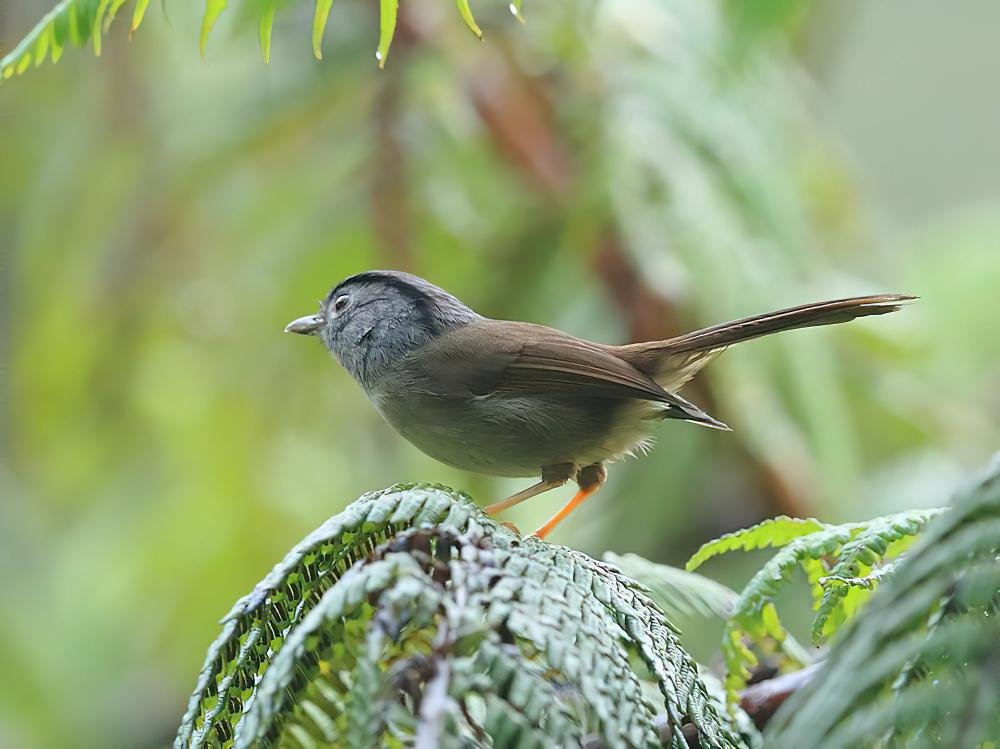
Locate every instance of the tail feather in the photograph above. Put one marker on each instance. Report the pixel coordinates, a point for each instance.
(805, 316)
(676, 360)
(687, 411)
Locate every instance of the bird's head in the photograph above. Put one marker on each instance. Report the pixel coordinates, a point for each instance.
(371, 320)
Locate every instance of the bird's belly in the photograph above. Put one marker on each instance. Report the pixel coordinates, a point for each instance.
(516, 436)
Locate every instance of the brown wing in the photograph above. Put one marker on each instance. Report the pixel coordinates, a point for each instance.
(508, 359)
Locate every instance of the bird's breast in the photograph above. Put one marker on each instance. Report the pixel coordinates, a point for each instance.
(514, 437)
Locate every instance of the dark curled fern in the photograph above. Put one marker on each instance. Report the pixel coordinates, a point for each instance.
(411, 619)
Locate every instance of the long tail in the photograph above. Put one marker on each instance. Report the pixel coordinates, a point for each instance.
(676, 360)
(805, 316)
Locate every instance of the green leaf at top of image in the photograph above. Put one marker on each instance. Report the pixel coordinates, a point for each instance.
(82, 15)
(319, 26)
(87, 20)
(212, 10)
(113, 9)
(137, 14)
(466, 12)
(266, 24)
(42, 46)
(56, 44)
(97, 26)
(47, 37)
(387, 28)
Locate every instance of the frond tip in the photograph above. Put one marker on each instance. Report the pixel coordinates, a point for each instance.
(772, 532)
(413, 618)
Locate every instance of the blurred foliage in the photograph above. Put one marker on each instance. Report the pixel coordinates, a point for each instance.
(412, 619)
(616, 168)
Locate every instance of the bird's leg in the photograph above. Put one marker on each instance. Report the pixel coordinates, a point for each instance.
(515, 499)
(590, 479)
(552, 478)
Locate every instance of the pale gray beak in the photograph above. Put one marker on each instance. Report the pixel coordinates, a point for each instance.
(305, 325)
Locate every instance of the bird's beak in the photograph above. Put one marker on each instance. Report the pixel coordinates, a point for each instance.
(307, 325)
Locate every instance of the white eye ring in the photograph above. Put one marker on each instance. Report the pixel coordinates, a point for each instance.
(341, 304)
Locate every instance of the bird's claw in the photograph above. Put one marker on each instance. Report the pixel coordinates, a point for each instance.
(510, 525)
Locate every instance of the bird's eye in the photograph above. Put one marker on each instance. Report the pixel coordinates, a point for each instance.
(341, 304)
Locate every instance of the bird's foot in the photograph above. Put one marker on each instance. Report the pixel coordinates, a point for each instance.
(510, 525)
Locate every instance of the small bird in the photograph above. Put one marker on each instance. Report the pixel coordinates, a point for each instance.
(522, 400)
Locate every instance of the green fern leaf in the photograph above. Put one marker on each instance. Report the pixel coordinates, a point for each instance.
(919, 665)
(82, 14)
(213, 9)
(774, 532)
(412, 615)
(826, 553)
(319, 26)
(387, 29)
(82, 21)
(265, 27)
(112, 14)
(466, 12)
(675, 590)
(48, 35)
(771, 577)
(866, 582)
(98, 25)
(138, 14)
(857, 571)
(754, 616)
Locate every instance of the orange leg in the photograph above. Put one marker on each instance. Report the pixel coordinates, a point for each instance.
(590, 479)
(553, 476)
(531, 491)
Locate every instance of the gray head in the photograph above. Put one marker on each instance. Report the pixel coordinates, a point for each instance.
(373, 319)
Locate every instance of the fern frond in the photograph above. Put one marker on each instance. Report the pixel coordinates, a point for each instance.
(755, 619)
(82, 21)
(411, 615)
(69, 20)
(466, 12)
(920, 664)
(677, 591)
(773, 532)
(865, 582)
(838, 561)
(320, 17)
(857, 570)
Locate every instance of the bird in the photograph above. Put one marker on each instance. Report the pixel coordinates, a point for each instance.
(522, 400)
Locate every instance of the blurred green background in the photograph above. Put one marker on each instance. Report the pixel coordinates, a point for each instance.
(621, 169)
